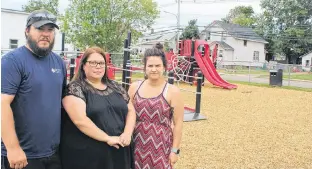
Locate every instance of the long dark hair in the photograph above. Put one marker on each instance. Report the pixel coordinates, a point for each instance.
(157, 50)
(81, 75)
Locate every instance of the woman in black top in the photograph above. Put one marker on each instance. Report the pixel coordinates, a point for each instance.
(99, 122)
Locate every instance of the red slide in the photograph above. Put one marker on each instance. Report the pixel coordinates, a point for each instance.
(208, 68)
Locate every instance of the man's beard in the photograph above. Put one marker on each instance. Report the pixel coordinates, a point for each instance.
(41, 52)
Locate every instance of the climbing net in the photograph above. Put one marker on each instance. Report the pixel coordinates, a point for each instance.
(181, 66)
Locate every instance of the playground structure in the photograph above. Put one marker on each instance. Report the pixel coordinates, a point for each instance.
(191, 65)
(194, 56)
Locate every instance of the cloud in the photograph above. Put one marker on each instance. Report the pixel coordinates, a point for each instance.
(205, 13)
(17, 4)
(13, 4)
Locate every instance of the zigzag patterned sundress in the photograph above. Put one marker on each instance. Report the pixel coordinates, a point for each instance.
(153, 133)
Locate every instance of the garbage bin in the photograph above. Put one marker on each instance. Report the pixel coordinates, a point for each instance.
(276, 77)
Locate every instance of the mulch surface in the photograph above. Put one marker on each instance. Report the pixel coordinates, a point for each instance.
(250, 127)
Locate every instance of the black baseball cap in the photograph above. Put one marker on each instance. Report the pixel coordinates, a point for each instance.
(41, 17)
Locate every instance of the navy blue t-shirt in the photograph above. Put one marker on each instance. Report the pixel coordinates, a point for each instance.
(37, 83)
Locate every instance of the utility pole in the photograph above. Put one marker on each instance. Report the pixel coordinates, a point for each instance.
(178, 25)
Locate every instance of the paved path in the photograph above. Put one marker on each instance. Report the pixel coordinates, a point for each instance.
(245, 78)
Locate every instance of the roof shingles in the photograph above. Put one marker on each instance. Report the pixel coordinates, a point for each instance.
(224, 45)
(240, 32)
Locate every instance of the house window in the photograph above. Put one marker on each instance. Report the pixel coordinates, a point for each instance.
(13, 43)
(223, 36)
(220, 53)
(256, 56)
(245, 42)
(208, 36)
(307, 63)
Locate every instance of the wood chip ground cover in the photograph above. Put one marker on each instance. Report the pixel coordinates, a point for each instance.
(251, 127)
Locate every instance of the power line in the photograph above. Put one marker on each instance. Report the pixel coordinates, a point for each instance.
(292, 26)
(247, 35)
(288, 27)
(165, 27)
(166, 5)
(276, 37)
(215, 1)
(251, 37)
(162, 31)
(224, 33)
(306, 28)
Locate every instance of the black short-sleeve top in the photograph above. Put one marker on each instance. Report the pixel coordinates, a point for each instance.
(106, 108)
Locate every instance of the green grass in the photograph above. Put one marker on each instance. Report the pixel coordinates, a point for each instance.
(136, 76)
(244, 72)
(268, 86)
(292, 76)
(265, 74)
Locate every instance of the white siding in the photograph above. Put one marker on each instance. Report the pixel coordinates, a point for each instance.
(227, 55)
(304, 61)
(13, 26)
(246, 53)
(214, 36)
(149, 41)
(144, 47)
(241, 53)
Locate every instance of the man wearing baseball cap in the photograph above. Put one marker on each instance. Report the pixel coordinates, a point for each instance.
(33, 79)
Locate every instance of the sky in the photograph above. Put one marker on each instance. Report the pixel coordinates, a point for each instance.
(205, 11)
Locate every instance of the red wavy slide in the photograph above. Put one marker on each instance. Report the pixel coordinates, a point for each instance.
(208, 68)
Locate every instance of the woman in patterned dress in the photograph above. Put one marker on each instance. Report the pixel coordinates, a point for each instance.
(157, 105)
(99, 120)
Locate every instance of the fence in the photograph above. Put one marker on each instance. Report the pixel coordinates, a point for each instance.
(117, 59)
(252, 72)
(259, 72)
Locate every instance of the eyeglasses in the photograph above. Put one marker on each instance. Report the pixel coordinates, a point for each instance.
(95, 63)
(40, 16)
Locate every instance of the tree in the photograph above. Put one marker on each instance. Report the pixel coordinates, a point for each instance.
(106, 23)
(241, 15)
(50, 5)
(166, 46)
(191, 31)
(287, 25)
(265, 30)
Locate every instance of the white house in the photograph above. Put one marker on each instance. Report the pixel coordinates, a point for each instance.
(307, 61)
(236, 44)
(13, 24)
(149, 40)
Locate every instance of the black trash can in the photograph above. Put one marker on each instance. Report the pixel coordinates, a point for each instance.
(276, 77)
